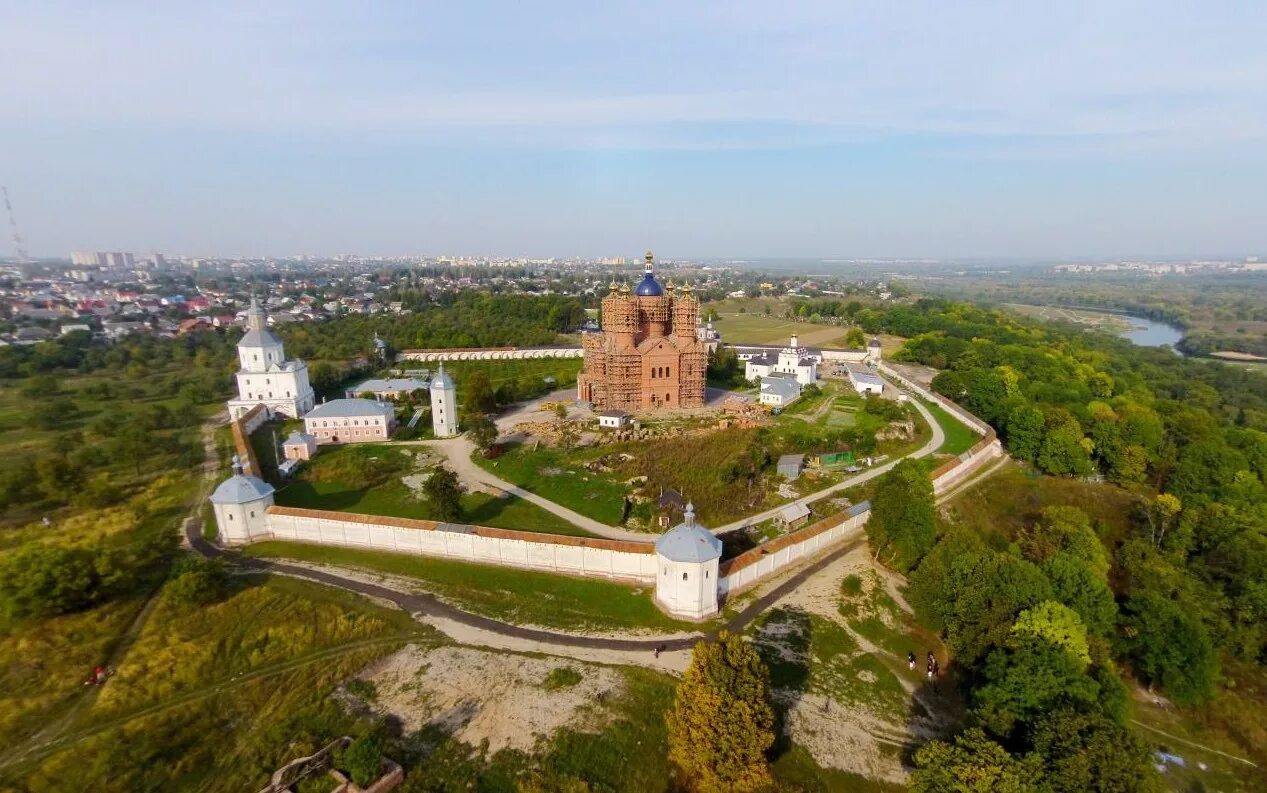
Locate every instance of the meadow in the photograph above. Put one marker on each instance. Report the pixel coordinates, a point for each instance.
(253, 669)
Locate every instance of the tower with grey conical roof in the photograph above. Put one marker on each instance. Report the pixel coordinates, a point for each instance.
(688, 556)
(241, 505)
(444, 405)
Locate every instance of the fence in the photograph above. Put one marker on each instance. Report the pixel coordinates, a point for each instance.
(488, 353)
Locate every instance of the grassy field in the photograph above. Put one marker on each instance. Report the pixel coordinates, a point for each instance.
(562, 478)
(959, 436)
(511, 595)
(321, 485)
(254, 669)
(999, 505)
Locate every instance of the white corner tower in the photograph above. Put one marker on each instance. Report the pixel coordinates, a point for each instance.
(241, 504)
(687, 556)
(264, 375)
(444, 405)
(873, 351)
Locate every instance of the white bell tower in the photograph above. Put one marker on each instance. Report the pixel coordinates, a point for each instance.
(444, 405)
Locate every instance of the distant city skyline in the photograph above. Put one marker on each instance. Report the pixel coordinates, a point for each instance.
(736, 130)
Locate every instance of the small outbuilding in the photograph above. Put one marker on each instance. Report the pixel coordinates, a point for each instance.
(792, 516)
(865, 382)
(240, 505)
(790, 466)
(387, 388)
(299, 446)
(613, 419)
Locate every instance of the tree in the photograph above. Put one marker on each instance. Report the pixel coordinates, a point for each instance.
(1056, 623)
(1089, 752)
(902, 514)
(721, 723)
(445, 494)
(196, 582)
(972, 764)
(482, 431)
(855, 339)
(1024, 430)
(1027, 678)
(1160, 512)
(479, 393)
(1065, 449)
(1078, 587)
(40, 580)
(1170, 647)
(1066, 529)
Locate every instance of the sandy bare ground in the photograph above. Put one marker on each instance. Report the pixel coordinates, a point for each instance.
(844, 735)
(476, 695)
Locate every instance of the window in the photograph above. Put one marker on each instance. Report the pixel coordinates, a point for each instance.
(667, 372)
(683, 576)
(705, 574)
(252, 513)
(666, 398)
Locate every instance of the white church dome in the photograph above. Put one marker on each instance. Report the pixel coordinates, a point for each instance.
(688, 541)
(441, 379)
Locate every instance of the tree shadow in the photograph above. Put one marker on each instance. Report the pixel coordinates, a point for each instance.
(298, 493)
(783, 640)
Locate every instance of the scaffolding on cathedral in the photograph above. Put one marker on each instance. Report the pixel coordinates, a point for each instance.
(647, 354)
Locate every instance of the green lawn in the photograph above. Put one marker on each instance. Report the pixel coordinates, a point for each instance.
(560, 477)
(959, 436)
(511, 595)
(321, 487)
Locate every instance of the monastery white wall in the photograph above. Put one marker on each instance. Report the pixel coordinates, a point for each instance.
(950, 407)
(491, 354)
(771, 563)
(455, 541)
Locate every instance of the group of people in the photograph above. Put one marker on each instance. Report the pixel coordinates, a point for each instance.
(933, 667)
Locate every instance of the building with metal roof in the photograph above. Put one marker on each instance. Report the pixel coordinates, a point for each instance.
(688, 555)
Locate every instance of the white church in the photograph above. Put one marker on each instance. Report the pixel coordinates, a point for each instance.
(792, 361)
(265, 377)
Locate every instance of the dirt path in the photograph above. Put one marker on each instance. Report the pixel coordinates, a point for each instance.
(933, 445)
(457, 453)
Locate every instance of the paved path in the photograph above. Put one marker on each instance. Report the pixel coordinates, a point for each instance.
(933, 445)
(458, 453)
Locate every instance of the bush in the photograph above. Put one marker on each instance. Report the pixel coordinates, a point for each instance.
(362, 760)
(196, 582)
(561, 677)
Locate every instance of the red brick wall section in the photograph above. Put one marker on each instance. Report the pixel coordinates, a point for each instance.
(242, 440)
(481, 531)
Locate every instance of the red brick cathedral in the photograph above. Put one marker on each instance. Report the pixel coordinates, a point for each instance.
(647, 354)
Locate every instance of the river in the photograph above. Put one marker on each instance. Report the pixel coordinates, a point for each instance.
(1151, 333)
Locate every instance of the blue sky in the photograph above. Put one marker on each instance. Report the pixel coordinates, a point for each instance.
(697, 129)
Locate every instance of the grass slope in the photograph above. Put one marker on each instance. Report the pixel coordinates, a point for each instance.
(510, 595)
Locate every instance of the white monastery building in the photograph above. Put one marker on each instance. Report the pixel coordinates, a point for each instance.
(265, 377)
(793, 360)
(687, 555)
(444, 405)
(351, 421)
(779, 391)
(240, 504)
(865, 382)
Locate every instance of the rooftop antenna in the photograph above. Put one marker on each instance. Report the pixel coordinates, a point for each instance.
(18, 247)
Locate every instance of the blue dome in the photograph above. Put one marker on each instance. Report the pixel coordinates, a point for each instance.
(649, 287)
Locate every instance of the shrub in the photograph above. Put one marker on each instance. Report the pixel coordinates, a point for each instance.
(362, 760)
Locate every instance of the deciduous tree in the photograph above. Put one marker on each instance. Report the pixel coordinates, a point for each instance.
(722, 723)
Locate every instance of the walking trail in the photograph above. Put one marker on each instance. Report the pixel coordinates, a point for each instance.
(457, 453)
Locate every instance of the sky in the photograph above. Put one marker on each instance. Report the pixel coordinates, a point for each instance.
(697, 129)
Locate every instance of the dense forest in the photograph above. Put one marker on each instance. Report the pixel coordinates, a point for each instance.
(1039, 626)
